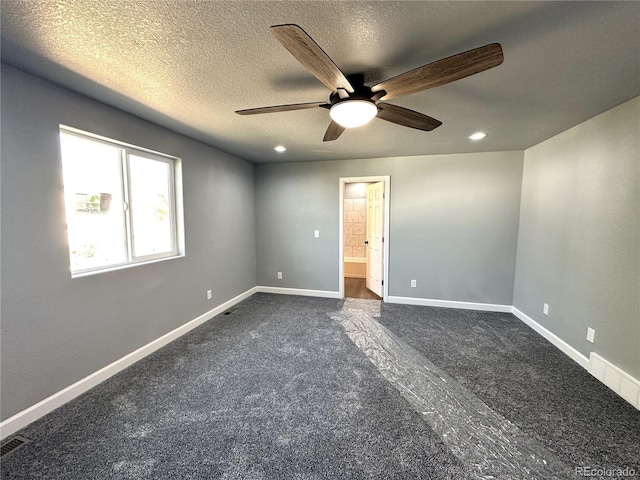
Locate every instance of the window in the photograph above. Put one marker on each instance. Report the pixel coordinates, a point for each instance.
(120, 201)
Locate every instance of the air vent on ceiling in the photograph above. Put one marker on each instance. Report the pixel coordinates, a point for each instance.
(12, 444)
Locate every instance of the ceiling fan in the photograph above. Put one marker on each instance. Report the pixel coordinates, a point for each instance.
(352, 103)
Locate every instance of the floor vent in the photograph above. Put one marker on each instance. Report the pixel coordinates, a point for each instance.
(230, 311)
(11, 445)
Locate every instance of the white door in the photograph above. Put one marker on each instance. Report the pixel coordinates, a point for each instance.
(375, 229)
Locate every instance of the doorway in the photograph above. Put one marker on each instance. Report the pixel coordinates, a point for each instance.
(364, 237)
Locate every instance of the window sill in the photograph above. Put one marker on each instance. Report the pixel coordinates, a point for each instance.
(125, 266)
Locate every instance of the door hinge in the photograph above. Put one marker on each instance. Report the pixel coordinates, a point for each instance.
(382, 282)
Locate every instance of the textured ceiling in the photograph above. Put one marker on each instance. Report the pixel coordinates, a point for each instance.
(189, 65)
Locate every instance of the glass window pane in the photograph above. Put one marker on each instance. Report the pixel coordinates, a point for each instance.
(94, 203)
(151, 212)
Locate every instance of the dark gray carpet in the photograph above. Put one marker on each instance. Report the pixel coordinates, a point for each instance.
(275, 390)
(522, 377)
(278, 390)
(488, 445)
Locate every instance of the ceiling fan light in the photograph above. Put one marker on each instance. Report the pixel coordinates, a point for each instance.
(353, 113)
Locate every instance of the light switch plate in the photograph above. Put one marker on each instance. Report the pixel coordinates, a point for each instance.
(591, 334)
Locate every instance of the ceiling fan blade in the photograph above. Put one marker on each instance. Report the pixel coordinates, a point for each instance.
(333, 132)
(309, 54)
(281, 108)
(407, 118)
(442, 72)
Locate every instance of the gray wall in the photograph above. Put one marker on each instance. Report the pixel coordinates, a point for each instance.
(453, 220)
(579, 240)
(56, 330)
(455, 223)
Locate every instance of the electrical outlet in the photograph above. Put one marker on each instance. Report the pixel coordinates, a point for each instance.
(208, 294)
(413, 284)
(545, 309)
(591, 334)
(316, 233)
(279, 275)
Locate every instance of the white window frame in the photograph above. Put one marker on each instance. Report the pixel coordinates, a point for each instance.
(176, 213)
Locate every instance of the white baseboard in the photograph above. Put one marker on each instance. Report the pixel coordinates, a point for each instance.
(613, 377)
(29, 415)
(619, 381)
(298, 291)
(616, 379)
(571, 352)
(428, 302)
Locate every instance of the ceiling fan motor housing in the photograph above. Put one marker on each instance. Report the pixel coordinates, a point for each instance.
(363, 94)
(360, 92)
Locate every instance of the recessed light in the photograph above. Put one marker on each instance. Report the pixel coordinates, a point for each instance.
(280, 149)
(477, 136)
